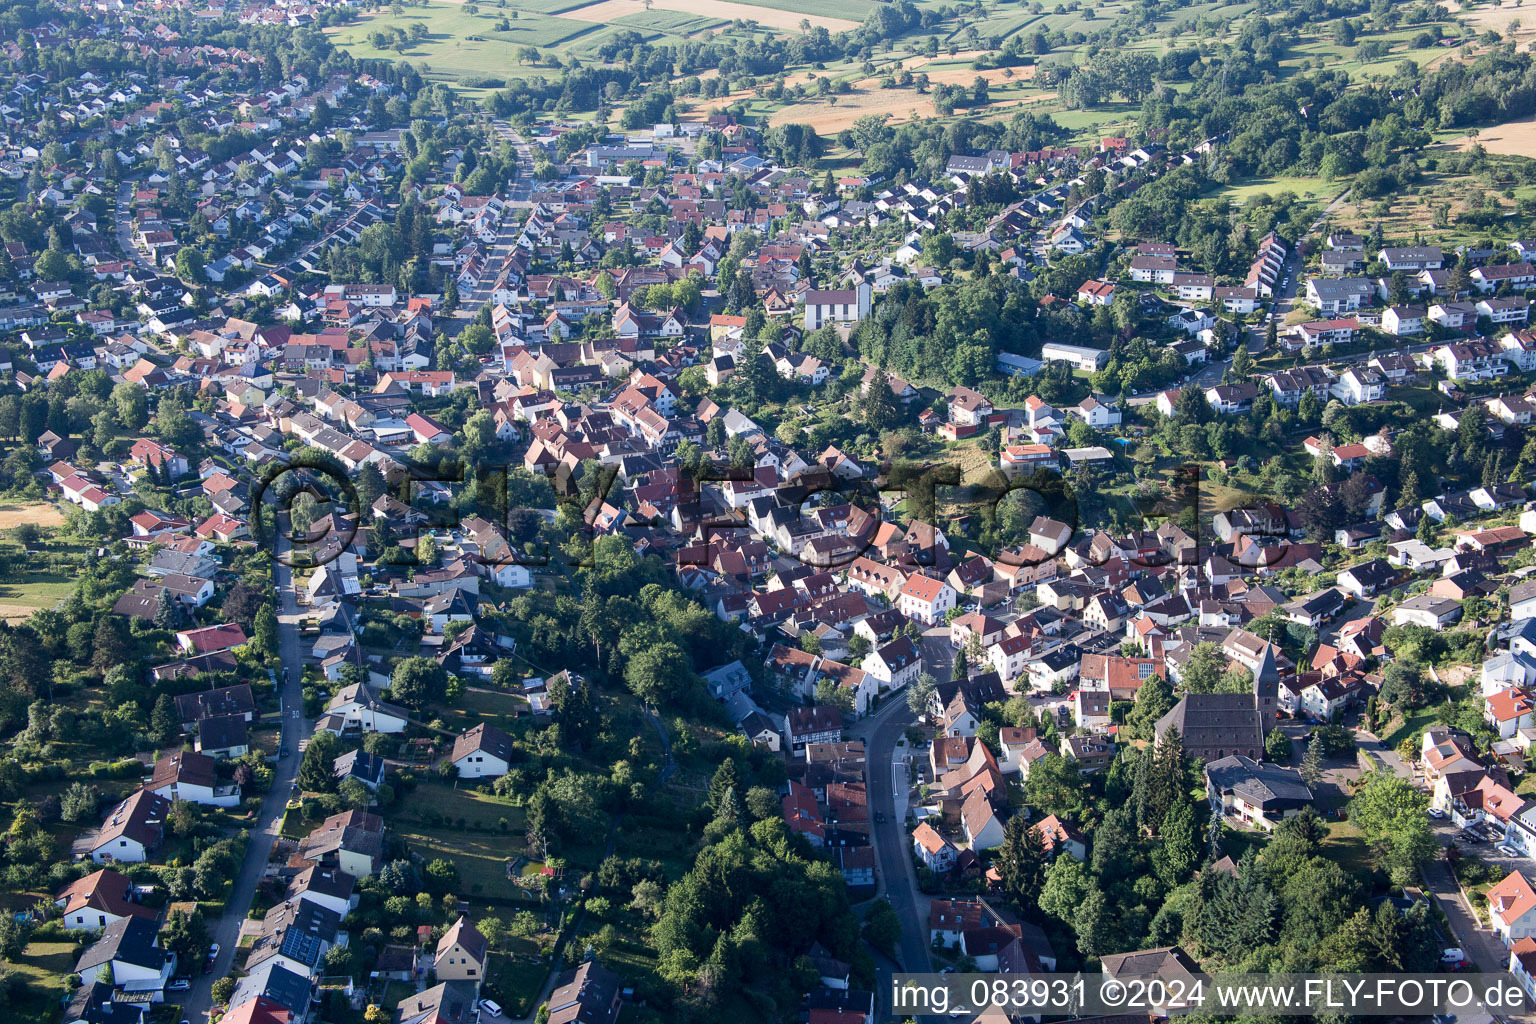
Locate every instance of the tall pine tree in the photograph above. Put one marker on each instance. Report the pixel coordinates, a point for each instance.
(1021, 862)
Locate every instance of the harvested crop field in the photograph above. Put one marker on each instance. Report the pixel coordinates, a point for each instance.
(608, 11)
(1513, 138)
(42, 513)
(901, 104)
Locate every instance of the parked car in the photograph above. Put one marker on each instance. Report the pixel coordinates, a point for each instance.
(179, 984)
(491, 1007)
(1436, 813)
(1452, 955)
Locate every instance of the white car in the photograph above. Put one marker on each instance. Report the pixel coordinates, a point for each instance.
(1453, 955)
(1436, 813)
(490, 1007)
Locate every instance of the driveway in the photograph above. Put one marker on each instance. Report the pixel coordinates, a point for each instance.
(295, 735)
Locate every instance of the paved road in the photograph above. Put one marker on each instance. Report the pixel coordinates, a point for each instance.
(518, 194)
(1368, 742)
(295, 734)
(888, 788)
(522, 187)
(887, 755)
(1481, 945)
(122, 225)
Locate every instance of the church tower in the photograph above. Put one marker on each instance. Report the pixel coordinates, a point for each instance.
(1266, 692)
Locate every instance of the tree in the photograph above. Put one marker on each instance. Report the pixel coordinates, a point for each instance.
(726, 780)
(1242, 359)
(265, 629)
(1054, 786)
(223, 991)
(1021, 861)
(13, 938)
(164, 725)
(658, 674)
(78, 802)
(315, 770)
(340, 960)
(166, 614)
(52, 265)
(882, 926)
(108, 648)
(183, 817)
(1277, 746)
(920, 694)
(189, 264)
(1203, 672)
(828, 691)
(1391, 814)
(879, 407)
(1066, 886)
(1312, 761)
(417, 682)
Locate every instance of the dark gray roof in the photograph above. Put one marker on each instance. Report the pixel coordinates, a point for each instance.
(226, 700)
(452, 1002)
(93, 1004)
(1262, 785)
(297, 929)
(129, 940)
(359, 764)
(1221, 721)
(222, 732)
(272, 981)
(1374, 573)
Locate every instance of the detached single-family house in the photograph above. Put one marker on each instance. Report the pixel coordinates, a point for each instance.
(482, 752)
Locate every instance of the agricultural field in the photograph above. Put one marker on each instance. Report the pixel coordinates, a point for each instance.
(39, 513)
(1513, 138)
(704, 14)
(462, 45)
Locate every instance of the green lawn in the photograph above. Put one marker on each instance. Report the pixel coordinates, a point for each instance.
(294, 826)
(447, 48)
(44, 965)
(26, 592)
(677, 23)
(1305, 188)
(1346, 847)
(1407, 726)
(516, 978)
(853, 10)
(545, 6)
(493, 708)
(430, 818)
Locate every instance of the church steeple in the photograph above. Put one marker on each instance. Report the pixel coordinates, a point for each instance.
(1266, 690)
